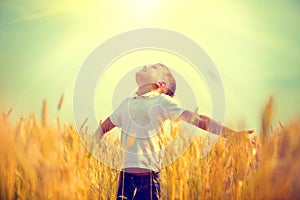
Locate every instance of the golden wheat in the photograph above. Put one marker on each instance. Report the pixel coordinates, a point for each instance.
(46, 161)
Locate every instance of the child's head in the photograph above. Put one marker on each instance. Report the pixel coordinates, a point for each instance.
(159, 75)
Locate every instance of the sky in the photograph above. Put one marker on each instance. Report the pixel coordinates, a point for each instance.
(254, 45)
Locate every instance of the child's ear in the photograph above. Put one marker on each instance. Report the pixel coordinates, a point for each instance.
(162, 84)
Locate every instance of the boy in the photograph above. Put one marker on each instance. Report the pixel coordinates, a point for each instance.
(141, 119)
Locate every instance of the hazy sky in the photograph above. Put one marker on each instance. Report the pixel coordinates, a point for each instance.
(254, 44)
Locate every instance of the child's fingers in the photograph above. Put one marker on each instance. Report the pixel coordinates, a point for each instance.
(246, 132)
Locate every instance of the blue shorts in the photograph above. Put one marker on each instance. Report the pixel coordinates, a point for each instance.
(146, 187)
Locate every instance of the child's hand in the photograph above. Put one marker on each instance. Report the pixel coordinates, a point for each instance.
(99, 134)
(228, 135)
(245, 132)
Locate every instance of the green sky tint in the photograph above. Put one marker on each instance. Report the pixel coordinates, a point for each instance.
(254, 44)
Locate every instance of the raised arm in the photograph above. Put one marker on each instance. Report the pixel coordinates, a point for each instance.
(209, 124)
(104, 127)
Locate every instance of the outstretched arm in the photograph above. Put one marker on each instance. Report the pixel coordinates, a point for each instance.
(209, 124)
(104, 127)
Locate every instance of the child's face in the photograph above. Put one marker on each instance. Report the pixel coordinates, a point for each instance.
(149, 74)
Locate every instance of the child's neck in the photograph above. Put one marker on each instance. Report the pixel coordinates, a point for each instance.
(147, 88)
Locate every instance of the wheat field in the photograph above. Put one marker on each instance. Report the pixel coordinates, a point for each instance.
(44, 159)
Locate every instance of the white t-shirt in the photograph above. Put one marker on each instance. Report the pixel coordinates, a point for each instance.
(141, 119)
